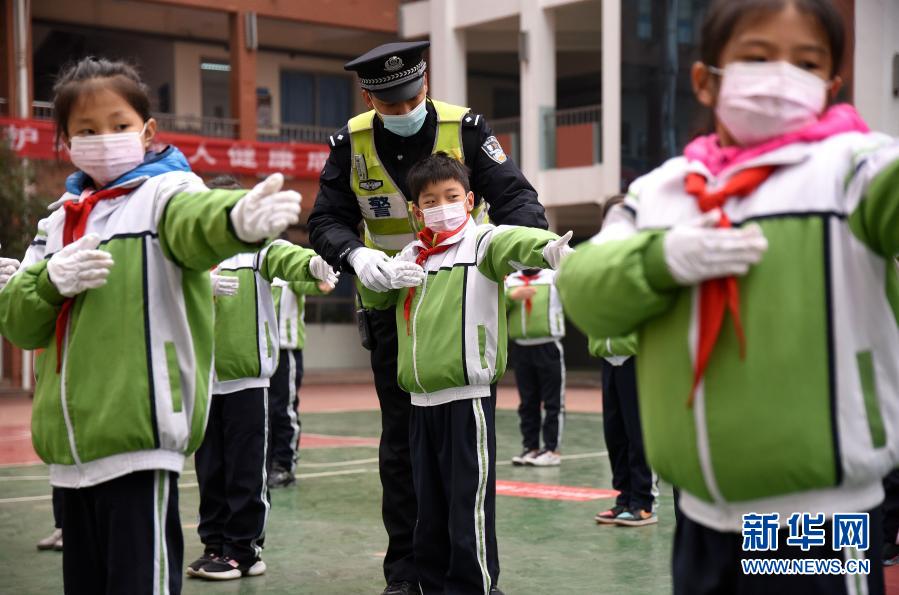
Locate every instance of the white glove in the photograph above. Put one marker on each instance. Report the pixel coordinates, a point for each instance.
(367, 264)
(79, 266)
(224, 284)
(699, 250)
(401, 273)
(265, 211)
(321, 270)
(8, 266)
(557, 250)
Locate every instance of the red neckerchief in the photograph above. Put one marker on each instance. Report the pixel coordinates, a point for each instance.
(718, 295)
(528, 304)
(77, 213)
(433, 240)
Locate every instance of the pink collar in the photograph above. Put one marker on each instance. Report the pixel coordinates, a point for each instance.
(836, 120)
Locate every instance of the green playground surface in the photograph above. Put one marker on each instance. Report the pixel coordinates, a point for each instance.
(325, 534)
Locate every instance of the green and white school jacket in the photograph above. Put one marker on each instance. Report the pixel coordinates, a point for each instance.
(455, 346)
(809, 420)
(246, 325)
(290, 307)
(133, 390)
(546, 321)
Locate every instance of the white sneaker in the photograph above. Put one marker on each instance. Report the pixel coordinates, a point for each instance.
(525, 457)
(546, 458)
(49, 542)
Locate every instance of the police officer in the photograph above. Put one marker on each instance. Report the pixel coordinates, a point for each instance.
(364, 181)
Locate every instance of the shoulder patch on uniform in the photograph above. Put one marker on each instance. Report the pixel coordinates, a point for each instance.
(341, 137)
(471, 119)
(494, 150)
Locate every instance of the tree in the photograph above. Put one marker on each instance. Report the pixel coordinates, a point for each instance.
(20, 209)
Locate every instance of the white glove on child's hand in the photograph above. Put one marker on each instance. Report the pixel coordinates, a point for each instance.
(557, 250)
(8, 266)
(321, 270)
(401, 273)
(79, 266)
(224, 284)
(367, 263)
(265, 211)
(697, 251)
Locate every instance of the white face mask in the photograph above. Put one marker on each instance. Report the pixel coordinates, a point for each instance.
(105, 157)
(445, 217)
(762, 100)
(406, 124)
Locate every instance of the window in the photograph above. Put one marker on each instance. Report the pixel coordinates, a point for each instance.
(685, 22)
(315, 99)
(644, 19)
(215, 89)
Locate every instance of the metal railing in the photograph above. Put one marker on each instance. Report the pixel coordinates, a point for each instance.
(219, 127)
(296, 133)
(553, 120)
(42, 110)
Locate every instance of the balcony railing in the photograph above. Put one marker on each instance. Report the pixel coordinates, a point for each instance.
(203, 126)
(572, 137)
(296, 133)
(220, 127)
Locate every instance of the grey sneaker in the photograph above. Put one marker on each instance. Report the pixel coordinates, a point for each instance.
(524, 458)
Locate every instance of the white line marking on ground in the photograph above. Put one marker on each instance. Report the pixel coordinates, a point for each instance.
(25, 499)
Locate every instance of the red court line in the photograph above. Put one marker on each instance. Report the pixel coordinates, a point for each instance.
(542, 491)
(328, 441)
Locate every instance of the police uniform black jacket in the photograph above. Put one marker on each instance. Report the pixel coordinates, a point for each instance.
(335, 218)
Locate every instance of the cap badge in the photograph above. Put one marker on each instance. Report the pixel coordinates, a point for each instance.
(393, 64)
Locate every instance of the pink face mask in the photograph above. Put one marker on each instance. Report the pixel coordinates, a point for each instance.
(105, 157)
(762, 100)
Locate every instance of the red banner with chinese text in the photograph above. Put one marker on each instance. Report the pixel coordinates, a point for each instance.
(35, 139)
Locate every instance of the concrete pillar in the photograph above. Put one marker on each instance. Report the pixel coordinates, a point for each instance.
(611, 96)
(15, 57)
(447, 67)
(537, 47)
(243, 76)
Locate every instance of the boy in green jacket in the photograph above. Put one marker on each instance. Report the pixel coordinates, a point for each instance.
(452, 349)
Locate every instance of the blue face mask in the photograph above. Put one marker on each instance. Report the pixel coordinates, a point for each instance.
(407, 124)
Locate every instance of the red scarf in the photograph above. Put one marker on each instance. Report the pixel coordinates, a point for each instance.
(77, 214)
(718, 295)
(528, 304)
(433, 245)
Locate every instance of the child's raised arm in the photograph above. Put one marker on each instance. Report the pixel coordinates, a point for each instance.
(504, 249)
(616, 281)
(873, 194)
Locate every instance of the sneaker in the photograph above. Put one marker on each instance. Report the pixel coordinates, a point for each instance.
(636, 518)
(607, 517)
(57, 547)
(401, 588)
(890, 554)
(49, 542)
(226, 569)
(496, 591)
(525, 457)
(193, 569)
(546, 458)
(280, 477)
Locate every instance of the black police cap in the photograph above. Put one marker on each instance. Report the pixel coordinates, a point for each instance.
(392, 72)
